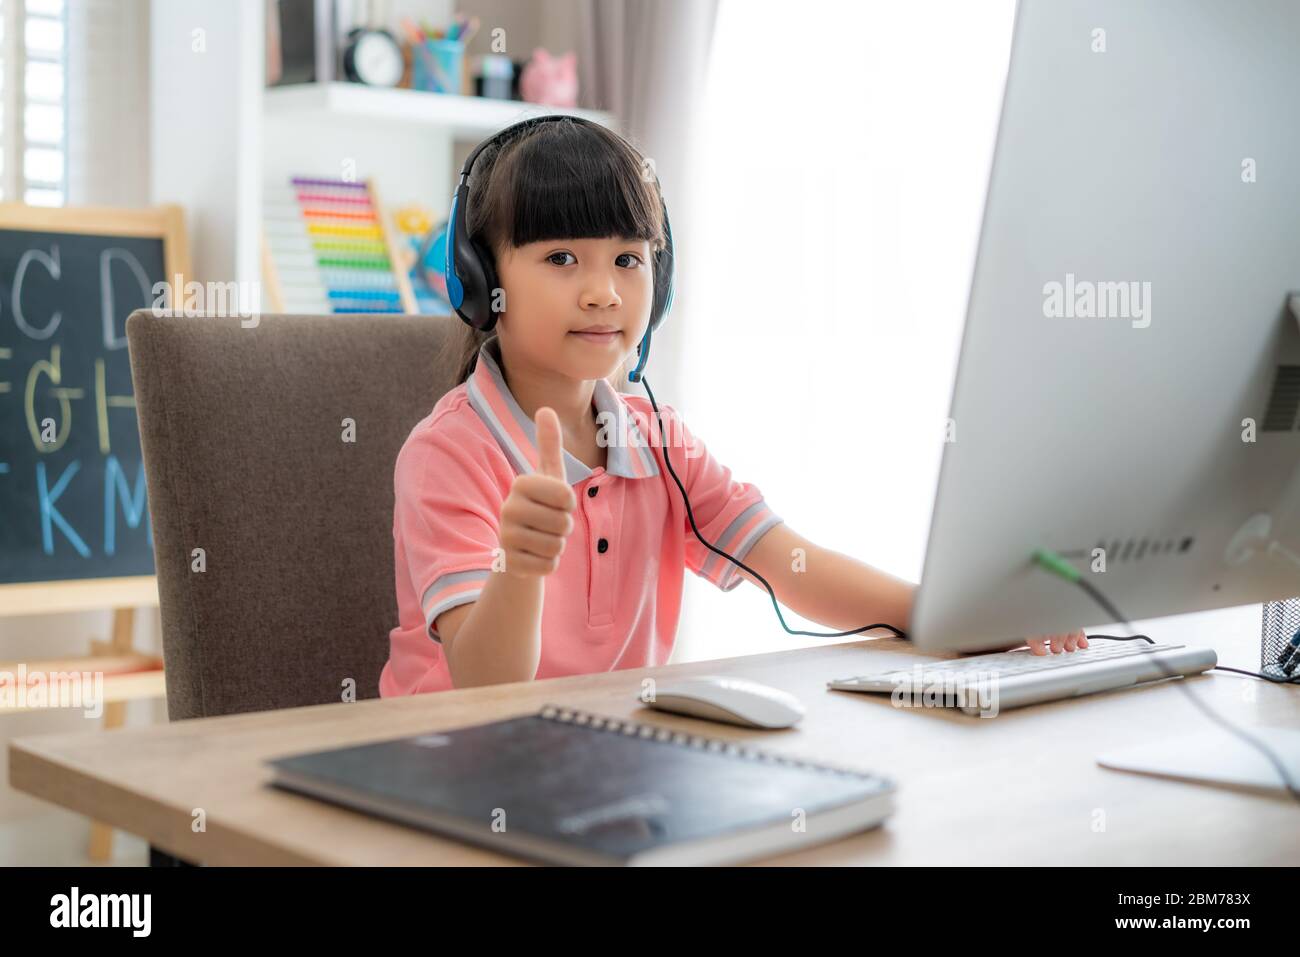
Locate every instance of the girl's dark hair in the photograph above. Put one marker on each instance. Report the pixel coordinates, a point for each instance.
(556, 180)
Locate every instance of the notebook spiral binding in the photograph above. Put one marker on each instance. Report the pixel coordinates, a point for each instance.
(597, 722)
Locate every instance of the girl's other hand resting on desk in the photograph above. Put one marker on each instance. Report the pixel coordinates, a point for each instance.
(1068, 642)
(1071, 641)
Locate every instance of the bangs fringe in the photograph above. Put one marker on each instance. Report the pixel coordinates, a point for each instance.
(569, 181)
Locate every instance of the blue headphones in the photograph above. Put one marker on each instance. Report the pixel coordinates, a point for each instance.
(471, 276)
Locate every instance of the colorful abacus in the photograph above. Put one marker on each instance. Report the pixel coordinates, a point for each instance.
(328, 250)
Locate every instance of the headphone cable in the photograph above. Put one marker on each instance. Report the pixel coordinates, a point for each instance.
(711, 547)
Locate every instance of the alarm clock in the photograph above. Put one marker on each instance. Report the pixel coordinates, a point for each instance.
(373, 57)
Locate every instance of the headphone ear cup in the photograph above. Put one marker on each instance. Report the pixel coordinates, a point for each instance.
(664, 270)
(470, 268)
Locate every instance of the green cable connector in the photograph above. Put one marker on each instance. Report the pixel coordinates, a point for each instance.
(1057, 565)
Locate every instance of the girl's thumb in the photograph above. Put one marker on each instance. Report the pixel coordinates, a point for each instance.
(550, 450)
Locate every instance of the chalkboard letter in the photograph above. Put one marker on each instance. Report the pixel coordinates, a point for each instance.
(51, 264)
(132, 502)
(50, 515)
(106, 301)
(44, 434)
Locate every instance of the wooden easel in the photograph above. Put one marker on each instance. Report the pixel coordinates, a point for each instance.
(128, 674)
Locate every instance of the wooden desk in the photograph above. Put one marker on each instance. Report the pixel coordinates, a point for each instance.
(1021, 788)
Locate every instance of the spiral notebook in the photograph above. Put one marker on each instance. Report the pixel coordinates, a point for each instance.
(570, 787)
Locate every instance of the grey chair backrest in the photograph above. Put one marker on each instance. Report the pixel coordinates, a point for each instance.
(245, 434)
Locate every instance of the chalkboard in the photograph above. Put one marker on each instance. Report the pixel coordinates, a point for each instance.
(72, 485)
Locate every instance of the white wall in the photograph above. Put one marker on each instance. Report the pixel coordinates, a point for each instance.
(108, 103)
(208, 70)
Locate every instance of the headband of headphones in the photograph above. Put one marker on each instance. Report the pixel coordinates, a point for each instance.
(469, 268)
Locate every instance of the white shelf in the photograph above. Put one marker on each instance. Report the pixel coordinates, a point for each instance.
(465, 117)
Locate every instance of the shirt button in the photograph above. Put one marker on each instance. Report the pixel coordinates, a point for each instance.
(602, 546)
(591, 491)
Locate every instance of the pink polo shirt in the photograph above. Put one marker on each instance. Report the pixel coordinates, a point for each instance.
(615, 599)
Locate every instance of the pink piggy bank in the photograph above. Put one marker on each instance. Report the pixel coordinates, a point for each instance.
(550, 81)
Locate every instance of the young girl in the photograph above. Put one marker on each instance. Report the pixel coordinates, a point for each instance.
(538, 530)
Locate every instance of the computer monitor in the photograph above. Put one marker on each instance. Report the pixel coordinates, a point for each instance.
(1129, 377)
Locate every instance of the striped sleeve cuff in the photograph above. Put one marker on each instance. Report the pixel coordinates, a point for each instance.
(448, 591)
(737, 539)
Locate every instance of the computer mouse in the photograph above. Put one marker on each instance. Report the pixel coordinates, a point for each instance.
(730, 700)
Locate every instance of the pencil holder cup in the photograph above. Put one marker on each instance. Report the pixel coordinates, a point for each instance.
(1279, 655)
(436, 66)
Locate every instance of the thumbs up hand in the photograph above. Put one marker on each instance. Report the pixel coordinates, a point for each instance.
(537, 515)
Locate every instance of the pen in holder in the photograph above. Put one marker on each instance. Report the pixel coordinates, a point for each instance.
(1279, 649)
(436, 66)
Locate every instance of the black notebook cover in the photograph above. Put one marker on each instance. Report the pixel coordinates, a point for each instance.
(571, 787)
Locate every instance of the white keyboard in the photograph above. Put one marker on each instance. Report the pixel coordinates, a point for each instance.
(1007, 663)
(1026, 678)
